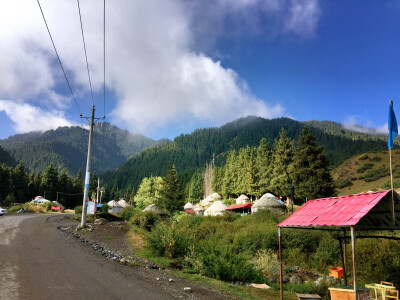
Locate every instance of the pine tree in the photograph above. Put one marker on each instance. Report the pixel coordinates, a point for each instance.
(5, 182)
(218, 179)
(196, 187)
(50, 182)
(230, 176)
(171, 195)
(310, 172)
(65, 188)
(19, 183)
(263, 166)
(251, 172)
(283, 157)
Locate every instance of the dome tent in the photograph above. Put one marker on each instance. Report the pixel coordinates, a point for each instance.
(199, 209)
(210, 199)
(188, 205)
(216, 209)
(155, 209)
(270, 202)
(114, 207)
(242, 199)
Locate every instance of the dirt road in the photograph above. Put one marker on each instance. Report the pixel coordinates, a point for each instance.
(37, 262)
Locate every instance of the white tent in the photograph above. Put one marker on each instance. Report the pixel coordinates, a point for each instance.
(242, 199)
(216, 209)
(114, 207)
(155, 209)
(199, 210)
(123, 203)
(188, 206)
(270, 202)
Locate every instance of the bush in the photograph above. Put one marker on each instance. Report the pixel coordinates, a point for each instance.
(14, 208)
(365, 167)
(104, 209)
(47, 206)
(145, 219)
(128, 212)
(169, 240)
(267, 262)
(78, 210)
(363, 157)
(343, 183)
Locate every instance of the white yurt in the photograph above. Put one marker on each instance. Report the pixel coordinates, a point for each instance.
(123, 203)
(242, 199)
(155, 209)
(114, 207)
(188, 206)
(199, 210)
(216, 209)
(207, 201)
(215, 196)
(270, 202)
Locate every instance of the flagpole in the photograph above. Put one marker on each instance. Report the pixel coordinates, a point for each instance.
(391, 180)
(393, 131)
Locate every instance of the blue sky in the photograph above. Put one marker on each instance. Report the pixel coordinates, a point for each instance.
(174, 66)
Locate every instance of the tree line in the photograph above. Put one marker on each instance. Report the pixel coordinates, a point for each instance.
(19, 186)
(282, 170)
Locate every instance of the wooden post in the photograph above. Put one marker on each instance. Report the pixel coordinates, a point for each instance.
(345, 261)
(280, 263)
(342, 256)
(353, 246)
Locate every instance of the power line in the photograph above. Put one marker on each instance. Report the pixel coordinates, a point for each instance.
(59, 60)
(104, 57)
(84, 47)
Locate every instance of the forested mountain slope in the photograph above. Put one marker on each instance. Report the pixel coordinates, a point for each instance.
(66, 147)
(191, 151)
(6, 158)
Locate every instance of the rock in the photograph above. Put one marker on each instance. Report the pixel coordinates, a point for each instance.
(171, 280)
(260, 286)
(100, 221)
(158, 278)
(187, 289)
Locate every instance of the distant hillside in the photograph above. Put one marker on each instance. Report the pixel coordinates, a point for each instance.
(191, 151)
(367, 172)
(66, 147)
(6, 158)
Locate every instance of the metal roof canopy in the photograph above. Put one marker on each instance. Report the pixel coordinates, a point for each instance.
(367, 211)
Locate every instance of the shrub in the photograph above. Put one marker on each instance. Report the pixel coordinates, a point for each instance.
(169, 240)
(267, 262)
(145, 219)
(376, 158)
(218, 260)
(78, 210)
(47, 206)
(365, 167)
(14, 208)
(104, 209)
(343, 183)
(363, 157)
(128, 212)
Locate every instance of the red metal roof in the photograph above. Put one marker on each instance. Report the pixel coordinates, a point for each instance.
(190, 211)
(337, 211)
(248, 205)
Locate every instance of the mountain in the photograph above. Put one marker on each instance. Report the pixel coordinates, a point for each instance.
(66, 147)
(6, 158)
(191, 151)
(369, 171)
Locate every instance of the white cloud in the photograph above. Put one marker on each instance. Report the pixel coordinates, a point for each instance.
(30, 118)
(303, 17)
(154, 65)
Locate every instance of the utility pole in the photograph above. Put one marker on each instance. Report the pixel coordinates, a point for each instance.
(101, 194)
(87, 174)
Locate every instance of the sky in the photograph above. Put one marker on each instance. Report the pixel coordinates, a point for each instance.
(176, 65)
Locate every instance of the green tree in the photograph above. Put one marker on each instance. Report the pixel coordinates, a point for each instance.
(65, 187)
(196, 187)
(171, 194)
(19, 183)
(263, 166)
(34, 185)
(50, 182)
(230, 176)
(149, 191)
(5, 182)
(218, 180)
(114, 192)
(310, 169)
(283, 158)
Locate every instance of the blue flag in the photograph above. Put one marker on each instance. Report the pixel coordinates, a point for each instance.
(392, 125)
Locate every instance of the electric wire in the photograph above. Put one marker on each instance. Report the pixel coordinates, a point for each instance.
(104, 57)
(84, 47)
(59, 60)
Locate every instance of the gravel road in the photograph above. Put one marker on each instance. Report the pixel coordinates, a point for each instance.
(38, 262)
